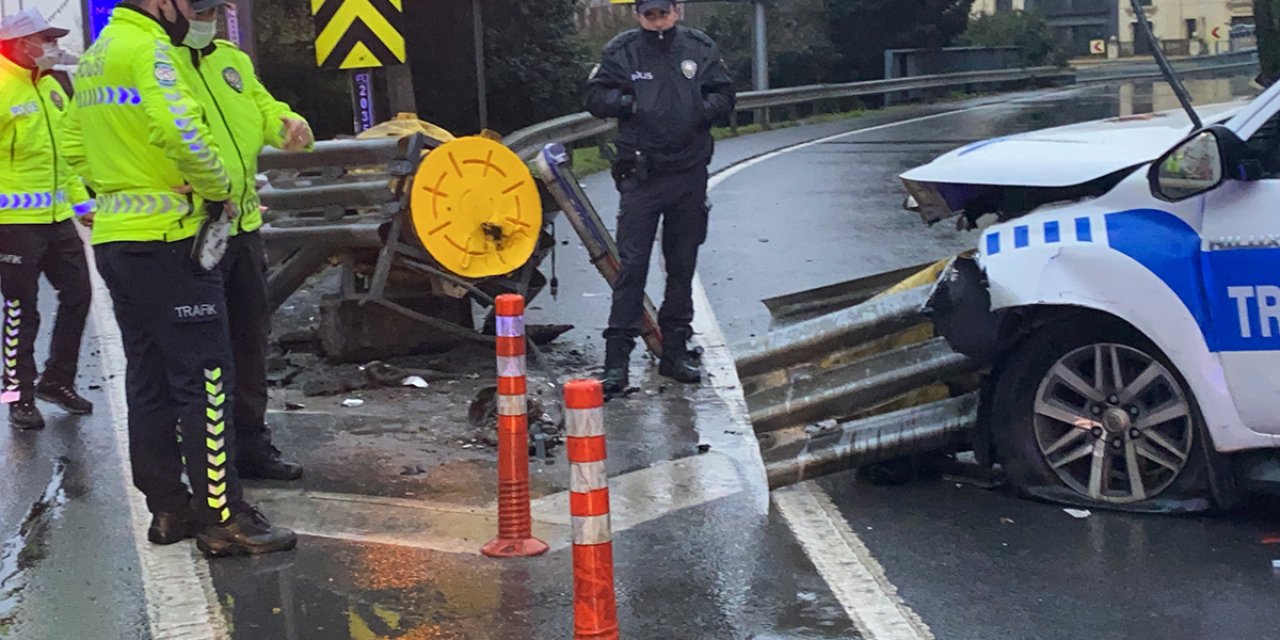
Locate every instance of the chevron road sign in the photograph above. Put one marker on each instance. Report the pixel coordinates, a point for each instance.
(358, 34)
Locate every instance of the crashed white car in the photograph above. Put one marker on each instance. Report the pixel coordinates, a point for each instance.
(1127, 301)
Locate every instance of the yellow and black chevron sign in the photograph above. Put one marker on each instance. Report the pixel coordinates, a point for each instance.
(358, 34)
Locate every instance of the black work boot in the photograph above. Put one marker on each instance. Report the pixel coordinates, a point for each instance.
(65, 396)
(24, 415)
(172, 527)
(617, 362)
(266, 463)
(677, 362)
(246, 533)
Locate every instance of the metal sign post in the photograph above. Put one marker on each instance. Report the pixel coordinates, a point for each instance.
(362, 105)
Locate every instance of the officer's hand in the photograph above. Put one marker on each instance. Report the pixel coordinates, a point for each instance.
(297, 134)
(183, 190)
(86, 220)
(713, 104)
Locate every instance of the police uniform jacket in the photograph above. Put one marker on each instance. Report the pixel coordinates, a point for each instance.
(666, 89)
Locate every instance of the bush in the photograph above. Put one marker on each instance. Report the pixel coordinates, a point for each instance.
(1026, 30)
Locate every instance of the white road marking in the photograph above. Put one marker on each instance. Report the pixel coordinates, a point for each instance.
(635, 498)
(181, 602)
(856, 579)
(853, 575)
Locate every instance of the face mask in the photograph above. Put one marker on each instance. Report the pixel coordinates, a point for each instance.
(49, 54)
(200, 34)
(178, 27)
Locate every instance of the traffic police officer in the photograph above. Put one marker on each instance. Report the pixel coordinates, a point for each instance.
(666, 84)
(243, 117)
(140, 139)
(38, 195)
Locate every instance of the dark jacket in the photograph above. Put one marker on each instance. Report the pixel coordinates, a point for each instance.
(665, 89)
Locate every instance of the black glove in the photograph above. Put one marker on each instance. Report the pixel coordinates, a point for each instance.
(713, 106)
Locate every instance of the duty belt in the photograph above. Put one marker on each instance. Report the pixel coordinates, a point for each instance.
(37, 200)
(142, 204)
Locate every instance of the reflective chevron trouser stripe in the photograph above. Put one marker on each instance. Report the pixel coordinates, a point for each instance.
(12, 325)
(215, 441)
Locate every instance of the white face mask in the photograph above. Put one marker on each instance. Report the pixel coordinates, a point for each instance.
(49, 55)
(201, 34)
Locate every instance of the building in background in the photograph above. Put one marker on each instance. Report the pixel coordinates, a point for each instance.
(1184, 27)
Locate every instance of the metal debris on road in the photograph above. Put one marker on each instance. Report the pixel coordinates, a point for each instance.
(294, 406)
(352, 402)
(1078, 513)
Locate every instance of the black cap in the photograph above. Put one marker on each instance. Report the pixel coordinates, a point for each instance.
(645, 5)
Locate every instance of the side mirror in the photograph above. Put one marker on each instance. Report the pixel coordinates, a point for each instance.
(1200, 163)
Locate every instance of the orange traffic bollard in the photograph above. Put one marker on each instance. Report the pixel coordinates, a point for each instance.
(515, 523)
(595, 607)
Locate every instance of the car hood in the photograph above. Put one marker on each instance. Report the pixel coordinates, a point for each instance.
(1069, 155)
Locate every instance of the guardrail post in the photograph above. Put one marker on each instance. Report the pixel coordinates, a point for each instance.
(595, 606)
(515, 522)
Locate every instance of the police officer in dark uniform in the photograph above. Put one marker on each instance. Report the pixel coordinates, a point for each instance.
(666, 85)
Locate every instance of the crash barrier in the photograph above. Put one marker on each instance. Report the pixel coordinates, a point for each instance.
(567, 129)
(854, 374)
(1145, 67)
(595, 615)
(515, 522)
(340, 199)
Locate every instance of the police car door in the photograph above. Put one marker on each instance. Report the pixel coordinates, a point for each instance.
(1241, 261)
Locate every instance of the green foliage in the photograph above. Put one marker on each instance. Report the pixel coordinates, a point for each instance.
(1026, 30)
(861, 30)
(287, 64)
(534, 66)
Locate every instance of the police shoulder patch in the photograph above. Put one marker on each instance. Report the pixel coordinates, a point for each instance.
(689, 68)
(165, 74)
(233, 79)
(56, 99)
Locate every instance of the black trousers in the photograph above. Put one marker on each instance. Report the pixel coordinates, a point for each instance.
(244, 271)
(679, 201)
(26, 251)
(172, 317)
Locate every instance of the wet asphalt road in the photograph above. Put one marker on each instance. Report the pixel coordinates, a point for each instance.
(821, 215)
(973, 563)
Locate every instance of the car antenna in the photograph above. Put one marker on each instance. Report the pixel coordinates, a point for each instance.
(1179, 89)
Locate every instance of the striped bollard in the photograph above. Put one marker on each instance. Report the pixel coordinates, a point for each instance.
(595, 607)
(515, 523)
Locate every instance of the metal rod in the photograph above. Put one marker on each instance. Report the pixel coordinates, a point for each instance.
(355, 194)
(931, 427)
(482, 88)
(1178, 88)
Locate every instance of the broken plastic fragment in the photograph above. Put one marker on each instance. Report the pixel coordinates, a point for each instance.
(352, 402)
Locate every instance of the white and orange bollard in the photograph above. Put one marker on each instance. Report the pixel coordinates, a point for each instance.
(595, 607)
(515, 522)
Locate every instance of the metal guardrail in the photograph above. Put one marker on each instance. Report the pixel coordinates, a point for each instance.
(529, 141)
(866, 382)
(332, 200)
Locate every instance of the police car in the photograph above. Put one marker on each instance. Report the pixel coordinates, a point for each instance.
(1125, 292)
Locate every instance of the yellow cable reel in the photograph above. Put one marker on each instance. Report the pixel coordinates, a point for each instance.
(476, 208)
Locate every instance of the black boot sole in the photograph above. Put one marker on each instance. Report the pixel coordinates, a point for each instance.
(26, 426)
(223, 548)
(71, 410)
(665, 370)
(154, 537)
(257, 474)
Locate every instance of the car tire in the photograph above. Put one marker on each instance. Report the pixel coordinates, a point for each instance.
(1053, 418)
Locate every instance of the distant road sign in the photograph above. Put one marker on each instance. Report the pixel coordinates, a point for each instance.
(1217, 33)
(1098, 47)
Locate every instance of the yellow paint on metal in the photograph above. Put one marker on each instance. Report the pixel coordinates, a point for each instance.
(476, 208)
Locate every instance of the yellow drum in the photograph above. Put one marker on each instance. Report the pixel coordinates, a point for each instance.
(475, 208)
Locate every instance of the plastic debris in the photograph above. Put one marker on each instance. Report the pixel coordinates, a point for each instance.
(1006, 520)
(352, 402)
(1078, 513)
(294, 406)
(414, 381)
